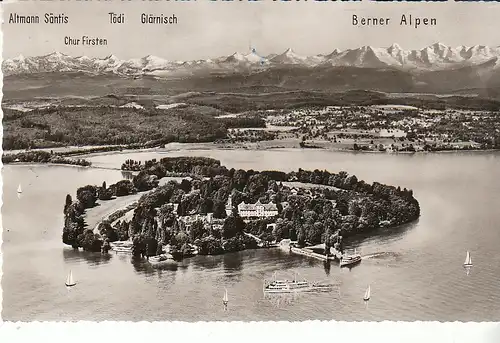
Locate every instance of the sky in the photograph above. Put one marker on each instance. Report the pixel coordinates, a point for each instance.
(209, 29)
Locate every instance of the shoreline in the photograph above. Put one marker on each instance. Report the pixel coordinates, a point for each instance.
(221, 146)
(96, 220)
(207, 147)
(93, 218)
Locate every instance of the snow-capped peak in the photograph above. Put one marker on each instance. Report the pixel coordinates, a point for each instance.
(249, 59)
(56, 54)
(110, 57)
(288, 57)
(152, 58)
(237, 56)
(432, 57)
(395, 47)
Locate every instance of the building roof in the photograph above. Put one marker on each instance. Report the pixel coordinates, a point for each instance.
(252, 207)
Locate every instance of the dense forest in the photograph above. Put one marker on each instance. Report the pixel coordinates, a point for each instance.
(107, 125)
(334, 204)
(202, 118)
(40, 156)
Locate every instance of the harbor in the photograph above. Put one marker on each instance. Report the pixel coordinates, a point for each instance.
(334, 254)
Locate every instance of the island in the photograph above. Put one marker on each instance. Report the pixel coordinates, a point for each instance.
(195, 203)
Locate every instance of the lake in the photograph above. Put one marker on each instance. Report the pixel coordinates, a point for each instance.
(415, 271)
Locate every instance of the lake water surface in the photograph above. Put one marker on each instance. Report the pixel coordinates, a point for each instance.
(415, 271)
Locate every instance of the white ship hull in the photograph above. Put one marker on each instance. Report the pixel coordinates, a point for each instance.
(160, 258)
(285, 286)
(299, 290)
(350, 261)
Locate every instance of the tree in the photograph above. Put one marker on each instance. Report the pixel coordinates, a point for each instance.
(196, 231)
(159, 249)
(107, 231)
(342, 206)
(233, 225)
(71, 231)
(185, 185)
(90, 241)
(144, 182)
(68, 202)
(219, 209)
(301, 237)
(209, 246)
(123, 188)
(281, 230)
(105, 193)
(138, 246)
(122, 230)
(87, 196)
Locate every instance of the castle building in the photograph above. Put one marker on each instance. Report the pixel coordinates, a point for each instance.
(257, 210)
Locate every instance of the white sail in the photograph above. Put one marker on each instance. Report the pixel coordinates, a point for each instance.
(468, 259)
(225, 299)
(367, 293)
(19, 189)
(69, 281)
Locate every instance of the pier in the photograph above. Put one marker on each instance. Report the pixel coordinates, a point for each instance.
(334, 255)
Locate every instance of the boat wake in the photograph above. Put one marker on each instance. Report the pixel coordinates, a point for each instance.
(382, 255)
(280, 300)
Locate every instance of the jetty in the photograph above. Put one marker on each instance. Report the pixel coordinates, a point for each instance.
(311, 251)
(257, 239)
(260, 242)
(122, 246)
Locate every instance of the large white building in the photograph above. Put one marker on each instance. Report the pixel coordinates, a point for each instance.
(257, 210)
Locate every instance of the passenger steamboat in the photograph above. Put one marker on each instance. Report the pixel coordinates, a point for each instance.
(350, 260)
(292, 286)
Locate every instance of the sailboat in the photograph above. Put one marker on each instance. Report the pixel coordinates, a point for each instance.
(225, 299)
(468, 260)
(367, 294)
(69, 281)
(19, 189)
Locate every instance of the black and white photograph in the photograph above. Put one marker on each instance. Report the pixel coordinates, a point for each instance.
(250, 161)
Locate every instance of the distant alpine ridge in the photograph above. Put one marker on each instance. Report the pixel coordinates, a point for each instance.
(432, 58)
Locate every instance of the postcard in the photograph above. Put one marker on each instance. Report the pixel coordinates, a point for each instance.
(250, 161)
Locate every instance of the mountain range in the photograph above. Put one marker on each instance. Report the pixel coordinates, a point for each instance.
(436, 57)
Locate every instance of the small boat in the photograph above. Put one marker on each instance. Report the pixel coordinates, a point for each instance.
(367, 294)
(122, 246)
(160, 258)
(225, 299)
(69, 281)
(19, 189)
(468, 260)
(350, 260)
(122, 250)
